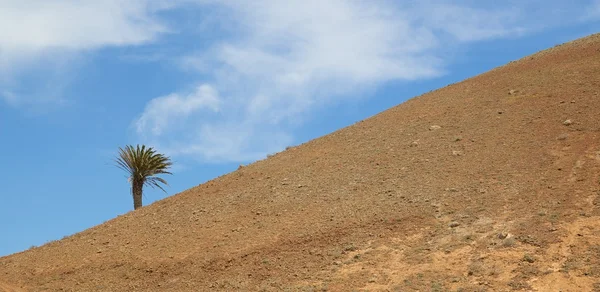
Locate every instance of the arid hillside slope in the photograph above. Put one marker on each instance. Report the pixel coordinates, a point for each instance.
(490, 184)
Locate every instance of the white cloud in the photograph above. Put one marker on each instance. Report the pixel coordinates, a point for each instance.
(269, 63)
(38, 25)
(162, 112)
(231, 142)
(466, 23)
(48, 35)
(289, 57)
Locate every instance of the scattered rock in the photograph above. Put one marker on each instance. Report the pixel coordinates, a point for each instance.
(502, 235)
(567, 122)
(509, 241)
(457, 153)
(434, 127)
(512, 92)
(453, 224)
(528, 258)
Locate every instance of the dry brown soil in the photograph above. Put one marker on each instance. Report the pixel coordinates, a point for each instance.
(478, 186)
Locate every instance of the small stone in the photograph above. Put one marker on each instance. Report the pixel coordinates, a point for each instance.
(414, 144)
(512, 92)
(457, 153)
(502, 235)
(567, 122)
(434, 127)
(562, 137)
(528, 258)
(457, 138)
(453, 224)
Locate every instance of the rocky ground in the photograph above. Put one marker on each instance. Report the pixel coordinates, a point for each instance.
(490, 184)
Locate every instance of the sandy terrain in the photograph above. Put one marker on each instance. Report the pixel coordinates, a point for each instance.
(490, 184)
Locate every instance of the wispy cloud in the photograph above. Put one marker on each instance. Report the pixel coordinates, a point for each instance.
(289, 57)
(467, 23)
(39, 25)
(46, 37)
(163, 112)
(265, 64)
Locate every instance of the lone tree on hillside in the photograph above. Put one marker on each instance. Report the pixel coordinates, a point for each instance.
(143, 165)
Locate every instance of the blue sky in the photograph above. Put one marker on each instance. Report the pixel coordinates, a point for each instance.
(215, 84)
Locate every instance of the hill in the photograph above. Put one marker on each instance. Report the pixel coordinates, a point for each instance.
(490, 184)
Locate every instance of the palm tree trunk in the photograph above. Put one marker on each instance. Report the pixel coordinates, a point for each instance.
(136, 191)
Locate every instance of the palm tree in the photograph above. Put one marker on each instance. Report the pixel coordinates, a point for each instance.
(143, 164)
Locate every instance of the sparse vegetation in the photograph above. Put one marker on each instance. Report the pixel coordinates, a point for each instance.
(362, 210)
(143, 164)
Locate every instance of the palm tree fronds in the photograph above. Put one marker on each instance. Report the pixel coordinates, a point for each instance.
(143, 164)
